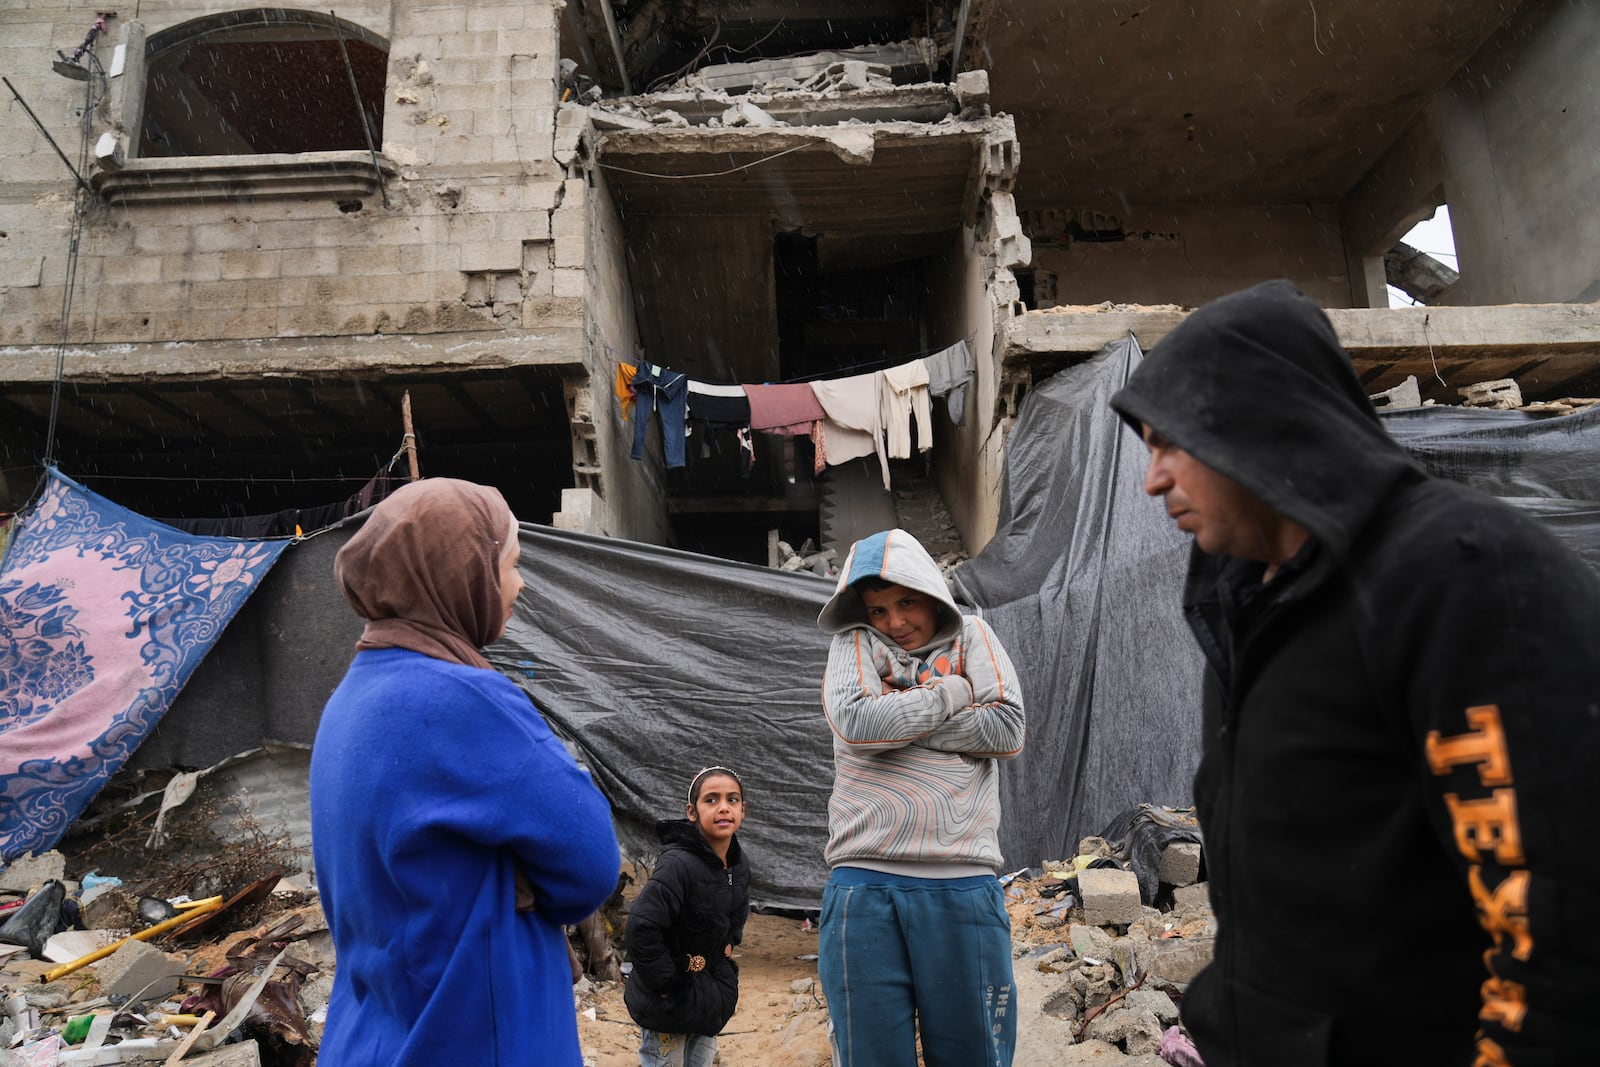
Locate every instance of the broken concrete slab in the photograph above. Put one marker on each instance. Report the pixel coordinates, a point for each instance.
(1178, 959)
(140, 970)
(972, 89)
(1192, 898)
(69, 945)
(26, 873)
(1405, 395)
(744, 113)
(909, 60)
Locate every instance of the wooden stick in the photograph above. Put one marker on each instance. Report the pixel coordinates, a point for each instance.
(188, 1042)
(410, 431)
(210, 904)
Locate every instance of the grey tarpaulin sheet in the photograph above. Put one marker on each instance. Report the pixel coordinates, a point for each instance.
(655, 663)
(268, 676)
(1083, 578)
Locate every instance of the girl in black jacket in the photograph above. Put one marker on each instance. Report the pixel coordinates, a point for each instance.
(683, 926)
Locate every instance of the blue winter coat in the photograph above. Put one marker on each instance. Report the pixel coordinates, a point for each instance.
(430, 783)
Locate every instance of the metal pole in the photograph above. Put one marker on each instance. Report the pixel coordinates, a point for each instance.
(361, 110)
(74, 170)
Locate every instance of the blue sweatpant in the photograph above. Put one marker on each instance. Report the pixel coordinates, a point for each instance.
(898, 953)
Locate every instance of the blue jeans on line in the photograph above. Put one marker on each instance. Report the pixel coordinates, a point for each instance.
(676, 1050)
(897, 955)
(666, 392)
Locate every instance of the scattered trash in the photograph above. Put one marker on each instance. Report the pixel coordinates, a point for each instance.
(1178, 1050)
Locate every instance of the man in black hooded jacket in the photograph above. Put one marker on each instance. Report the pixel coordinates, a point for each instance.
(1401, 719)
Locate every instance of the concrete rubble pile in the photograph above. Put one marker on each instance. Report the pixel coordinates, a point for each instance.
(1096, 967)
(883, 83)
(93, 972)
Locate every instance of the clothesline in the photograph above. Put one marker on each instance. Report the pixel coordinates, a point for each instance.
(620, 358)
(847, 417)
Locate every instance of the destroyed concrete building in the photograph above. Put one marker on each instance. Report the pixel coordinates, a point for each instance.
(243, 244)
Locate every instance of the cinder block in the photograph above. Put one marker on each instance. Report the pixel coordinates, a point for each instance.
(138, 969)
(1180, 863)
(1110, 896)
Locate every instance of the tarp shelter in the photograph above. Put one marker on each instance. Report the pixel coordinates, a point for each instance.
(653, 663)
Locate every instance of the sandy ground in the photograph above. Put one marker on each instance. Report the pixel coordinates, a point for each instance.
(778, 1025)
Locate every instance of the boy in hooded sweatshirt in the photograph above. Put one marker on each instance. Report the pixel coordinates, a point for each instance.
(923, 703)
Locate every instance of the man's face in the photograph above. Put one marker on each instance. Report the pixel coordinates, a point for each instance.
(1225, 518)
(904, 616)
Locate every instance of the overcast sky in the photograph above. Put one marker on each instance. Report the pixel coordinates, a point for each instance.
(1434, 237)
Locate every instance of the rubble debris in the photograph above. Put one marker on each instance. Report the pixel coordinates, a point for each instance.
(744, 113)
(1501, 394)
(138, 970)
(1180, 863)
(1405, 395)
(27, 873)
(877, 64)
(807, 559)
(1110, 896)
(1115, 987)
(972, 91)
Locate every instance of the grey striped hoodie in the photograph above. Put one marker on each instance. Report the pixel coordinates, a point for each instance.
(916, 733)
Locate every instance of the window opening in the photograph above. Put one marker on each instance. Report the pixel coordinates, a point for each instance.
(262, 81)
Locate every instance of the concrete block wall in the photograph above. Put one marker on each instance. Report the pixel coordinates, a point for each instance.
(468, 242)
(1187, 254)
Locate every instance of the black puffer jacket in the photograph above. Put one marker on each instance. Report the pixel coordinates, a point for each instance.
(692, 905)
(1402, 724)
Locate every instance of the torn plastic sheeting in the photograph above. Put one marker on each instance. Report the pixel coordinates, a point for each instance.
(34, 922)
(236, 1015)
(1139, 835)
(652, 663)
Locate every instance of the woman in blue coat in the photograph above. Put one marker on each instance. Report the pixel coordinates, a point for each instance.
(434, 780)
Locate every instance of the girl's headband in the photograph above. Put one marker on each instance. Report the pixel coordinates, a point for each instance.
(706, 772)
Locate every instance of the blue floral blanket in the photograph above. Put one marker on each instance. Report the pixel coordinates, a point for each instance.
(104, 615)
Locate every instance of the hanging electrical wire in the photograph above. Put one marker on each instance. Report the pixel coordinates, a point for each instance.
(82, 200)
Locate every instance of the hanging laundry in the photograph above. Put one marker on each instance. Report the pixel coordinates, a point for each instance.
(115, 611)
(904, 394)
(723, 407)
(665, 392)
(853, 426)
(783, 409)
(949, 371)
(623, 386)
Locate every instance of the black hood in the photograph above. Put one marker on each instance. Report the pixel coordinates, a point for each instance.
(1257, 387)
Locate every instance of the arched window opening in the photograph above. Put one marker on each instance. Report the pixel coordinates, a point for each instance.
(267, 80)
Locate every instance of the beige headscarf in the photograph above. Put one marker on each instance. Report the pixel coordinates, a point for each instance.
(424, 570)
